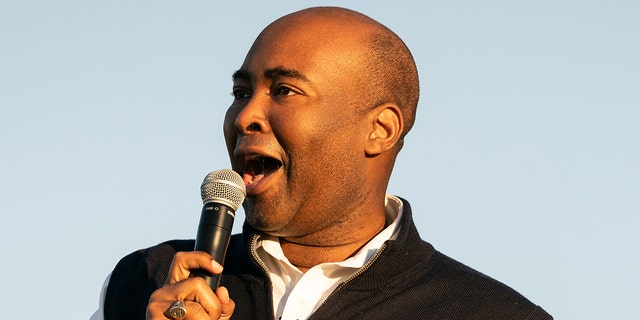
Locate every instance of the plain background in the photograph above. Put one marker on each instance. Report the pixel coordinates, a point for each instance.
(524, 162)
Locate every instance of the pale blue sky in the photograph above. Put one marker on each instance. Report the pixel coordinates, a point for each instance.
(524, 162)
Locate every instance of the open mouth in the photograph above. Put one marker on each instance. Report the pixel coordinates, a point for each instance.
(258, 167)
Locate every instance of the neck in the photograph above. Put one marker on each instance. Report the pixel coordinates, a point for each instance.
(304, 253)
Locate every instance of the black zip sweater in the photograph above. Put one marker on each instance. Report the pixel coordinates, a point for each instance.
(409, 279)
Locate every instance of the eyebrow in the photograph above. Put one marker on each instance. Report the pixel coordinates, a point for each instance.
(241, 74)
(287, 73)
(272, 73)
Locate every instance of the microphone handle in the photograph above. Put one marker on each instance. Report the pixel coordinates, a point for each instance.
(214, 232)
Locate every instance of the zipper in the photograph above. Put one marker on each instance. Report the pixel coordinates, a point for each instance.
(353, 276)
(254, 255)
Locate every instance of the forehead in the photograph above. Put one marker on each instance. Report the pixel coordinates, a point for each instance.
(306, 47)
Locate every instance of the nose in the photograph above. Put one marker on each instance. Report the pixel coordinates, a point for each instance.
(252, 117)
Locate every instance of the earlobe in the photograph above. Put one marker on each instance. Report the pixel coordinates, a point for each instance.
(385, 130)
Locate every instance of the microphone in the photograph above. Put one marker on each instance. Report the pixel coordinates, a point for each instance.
(222, 193)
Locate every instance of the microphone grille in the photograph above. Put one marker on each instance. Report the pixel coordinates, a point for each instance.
(223, 186)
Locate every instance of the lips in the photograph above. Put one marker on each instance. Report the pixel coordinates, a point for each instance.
(257, 168)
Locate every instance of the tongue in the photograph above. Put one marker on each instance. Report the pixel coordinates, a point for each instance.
(250, 179)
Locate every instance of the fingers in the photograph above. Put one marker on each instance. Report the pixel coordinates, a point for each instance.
(199, 300)
(184, 262)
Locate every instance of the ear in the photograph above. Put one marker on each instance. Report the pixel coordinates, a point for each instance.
(386, 128)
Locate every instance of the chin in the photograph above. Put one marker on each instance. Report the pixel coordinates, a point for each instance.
(260, 219)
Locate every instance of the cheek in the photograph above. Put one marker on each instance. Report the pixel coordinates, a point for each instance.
(229, 128)
(317, 125)
(325, 148)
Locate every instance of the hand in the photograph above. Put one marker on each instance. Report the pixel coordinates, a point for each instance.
(199, 300)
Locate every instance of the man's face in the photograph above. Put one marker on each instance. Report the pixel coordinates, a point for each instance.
(294, 132)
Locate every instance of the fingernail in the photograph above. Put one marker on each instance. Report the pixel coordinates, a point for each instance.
(216, 266)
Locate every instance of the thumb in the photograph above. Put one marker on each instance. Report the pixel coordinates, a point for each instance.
(226, 304)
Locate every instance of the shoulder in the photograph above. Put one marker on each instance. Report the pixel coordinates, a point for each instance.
(428, 277)
(152, 263)
(148, 268)
(137, 275)
(477, 294)
(154, 259)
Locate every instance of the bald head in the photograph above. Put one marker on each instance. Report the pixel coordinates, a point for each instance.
(321, 91)
(378, 61)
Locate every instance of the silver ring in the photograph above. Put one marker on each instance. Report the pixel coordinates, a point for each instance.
(177, 310)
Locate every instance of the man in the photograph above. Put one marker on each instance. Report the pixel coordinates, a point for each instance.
(321, 106)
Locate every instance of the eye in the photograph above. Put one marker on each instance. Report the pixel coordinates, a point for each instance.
(284, 91)
(239, 93)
